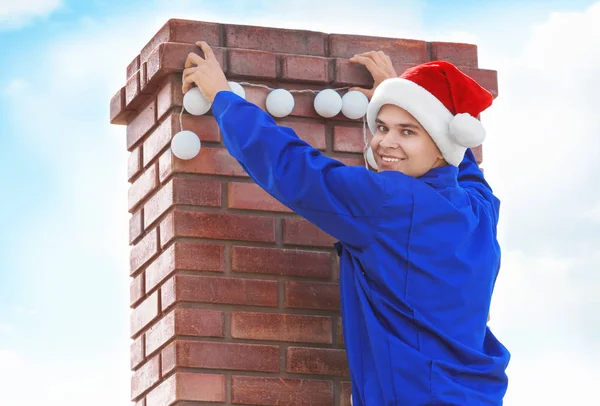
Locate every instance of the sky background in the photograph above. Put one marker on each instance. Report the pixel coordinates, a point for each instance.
(64, 286)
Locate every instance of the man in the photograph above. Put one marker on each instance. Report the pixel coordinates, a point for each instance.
(417, 240)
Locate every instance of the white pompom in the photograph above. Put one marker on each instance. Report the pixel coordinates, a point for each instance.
(371, 158)
(185, 145)
(354, 104)
(195, 103)
(237, 89)
(467, 131)
(328, 103)
(280, 103)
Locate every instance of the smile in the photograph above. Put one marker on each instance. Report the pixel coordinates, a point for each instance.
(390, 159)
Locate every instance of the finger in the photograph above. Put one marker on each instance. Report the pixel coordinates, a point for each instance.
(193, 59)
(188, 82)
(189, 71)
(208, 52)
(369, 63)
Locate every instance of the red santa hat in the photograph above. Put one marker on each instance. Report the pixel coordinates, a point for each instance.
(443, 99)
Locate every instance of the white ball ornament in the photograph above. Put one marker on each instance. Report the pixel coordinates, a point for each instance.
(195, 103)
(185, 145)
(354, 105)
(328, 103)
(280, 103)
(237, 89)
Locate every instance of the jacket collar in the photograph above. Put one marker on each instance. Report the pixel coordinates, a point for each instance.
(444, 176)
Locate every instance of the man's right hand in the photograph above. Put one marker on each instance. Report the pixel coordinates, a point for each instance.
(379, 65)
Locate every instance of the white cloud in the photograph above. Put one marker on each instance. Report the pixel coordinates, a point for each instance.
(14, 14)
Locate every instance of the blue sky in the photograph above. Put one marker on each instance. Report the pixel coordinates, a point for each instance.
(63, 217)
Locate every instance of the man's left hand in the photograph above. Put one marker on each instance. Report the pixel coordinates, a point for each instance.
(205, 72)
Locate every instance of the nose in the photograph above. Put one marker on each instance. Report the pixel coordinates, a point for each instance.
(389, 142)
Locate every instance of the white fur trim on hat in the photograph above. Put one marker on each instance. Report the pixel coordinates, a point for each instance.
(453, 135)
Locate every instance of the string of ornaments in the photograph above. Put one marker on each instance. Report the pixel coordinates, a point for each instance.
(280, 103)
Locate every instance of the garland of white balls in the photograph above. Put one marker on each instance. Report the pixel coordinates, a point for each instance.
(280, 103)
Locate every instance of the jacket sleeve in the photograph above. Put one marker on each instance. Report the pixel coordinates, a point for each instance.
(471, 178)
(344, 201)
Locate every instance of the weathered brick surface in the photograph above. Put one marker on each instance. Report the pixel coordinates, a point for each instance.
(281, 261)
(258, 390)
(220, 290)
(316, 361)
(281, 327)
(250, 196)
(185, 256)
(235, 299)
(220, 355)
(185, 322)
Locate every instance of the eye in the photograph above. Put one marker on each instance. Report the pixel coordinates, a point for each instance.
(408, 132)
(382, 128)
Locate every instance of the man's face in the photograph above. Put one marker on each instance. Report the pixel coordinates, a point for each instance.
(402, 144)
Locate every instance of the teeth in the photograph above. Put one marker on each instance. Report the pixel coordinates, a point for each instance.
(386, 159)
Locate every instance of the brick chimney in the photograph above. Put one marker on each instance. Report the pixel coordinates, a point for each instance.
(235, 298)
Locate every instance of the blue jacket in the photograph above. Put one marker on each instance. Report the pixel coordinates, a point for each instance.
(418, 262)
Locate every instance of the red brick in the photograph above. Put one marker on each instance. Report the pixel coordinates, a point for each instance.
(399, 50)
(118, 113)
(250, 196)
(205, 127)
(141, 188)
(184, 256)
(339, 332)
(348, 139)
(210, 161)
(305, 68)
(145, 377)
(144, 78)
(220, 226)
(144, 314)
(184, 31)
(487, 79)
(170, 58)
(304, 106)
(312, 133)
(158, 139)
(188, 191)
(258, 390)
(141, 124)
(188, 387)
(136, 226)
(133, 67)
(136, 351)
(132, 88)
(234, 291)
(316, 361)
(185, 322)
(258, 96)
(458, 54)
(220, 355)
(169, 95)
(354, 74)
(136, 290)
(281, 327)
(143, 251)
(252, 64)
(345, 393)
(312, 295)
(301, 232)
(282, 262)
(134, 163)
(275, 40)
